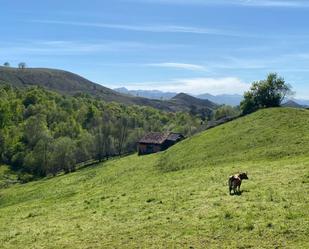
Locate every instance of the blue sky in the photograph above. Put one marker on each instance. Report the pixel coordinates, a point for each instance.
(195, 46)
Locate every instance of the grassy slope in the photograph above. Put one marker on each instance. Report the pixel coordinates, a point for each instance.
(132, 203)
(7, 176)
(266, 135)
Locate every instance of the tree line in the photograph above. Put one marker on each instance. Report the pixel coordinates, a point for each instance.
(43, 132)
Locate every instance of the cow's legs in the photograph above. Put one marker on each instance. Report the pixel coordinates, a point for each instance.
(234, 189)
(239, 188)
(230, 185)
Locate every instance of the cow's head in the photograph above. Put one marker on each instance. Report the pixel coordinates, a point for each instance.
(243, 176)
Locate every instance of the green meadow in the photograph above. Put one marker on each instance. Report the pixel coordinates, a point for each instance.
(178, 198)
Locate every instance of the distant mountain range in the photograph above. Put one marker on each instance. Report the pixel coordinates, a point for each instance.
(228, 99)
(150, 94)
(222, 99)
(68, 83)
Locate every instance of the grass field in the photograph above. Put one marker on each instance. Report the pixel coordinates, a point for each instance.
(179, 198)
(7, 176)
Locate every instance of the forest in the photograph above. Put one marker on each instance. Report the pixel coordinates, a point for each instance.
(43, 133)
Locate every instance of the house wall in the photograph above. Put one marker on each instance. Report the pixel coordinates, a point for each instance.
(144, 149)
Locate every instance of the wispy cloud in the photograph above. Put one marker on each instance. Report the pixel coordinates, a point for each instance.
(58, 47)
(173, 29)
(154, 28)
(186, 66)
(194, 85)
(275, 3)
(304, 56)
(230, 62)
(291, 61)
(252, 3)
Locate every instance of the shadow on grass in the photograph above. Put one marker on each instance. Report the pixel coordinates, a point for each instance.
(240, 192)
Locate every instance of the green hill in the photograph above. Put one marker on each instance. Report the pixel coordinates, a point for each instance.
(271, 134)
(148, 202)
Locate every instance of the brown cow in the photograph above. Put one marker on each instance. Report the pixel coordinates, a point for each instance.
(235, 182)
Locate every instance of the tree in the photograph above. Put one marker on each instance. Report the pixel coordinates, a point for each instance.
(102, 139)
(22, 65)
(265, 93)
(32, 97)
(63, 155)
(6, 64)
(85, 146)
(35, 128)
(42, 151)
(2, 143)
(121, 133)
(38, 161)
(226, 111)
(5, 114)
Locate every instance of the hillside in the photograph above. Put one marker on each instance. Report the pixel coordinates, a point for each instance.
(70, 84)
(147, 202)
(187, 102)
(270, 134)
(58, 80)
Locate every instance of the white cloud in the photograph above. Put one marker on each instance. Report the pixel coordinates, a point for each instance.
(192, 67)
(229, 85)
